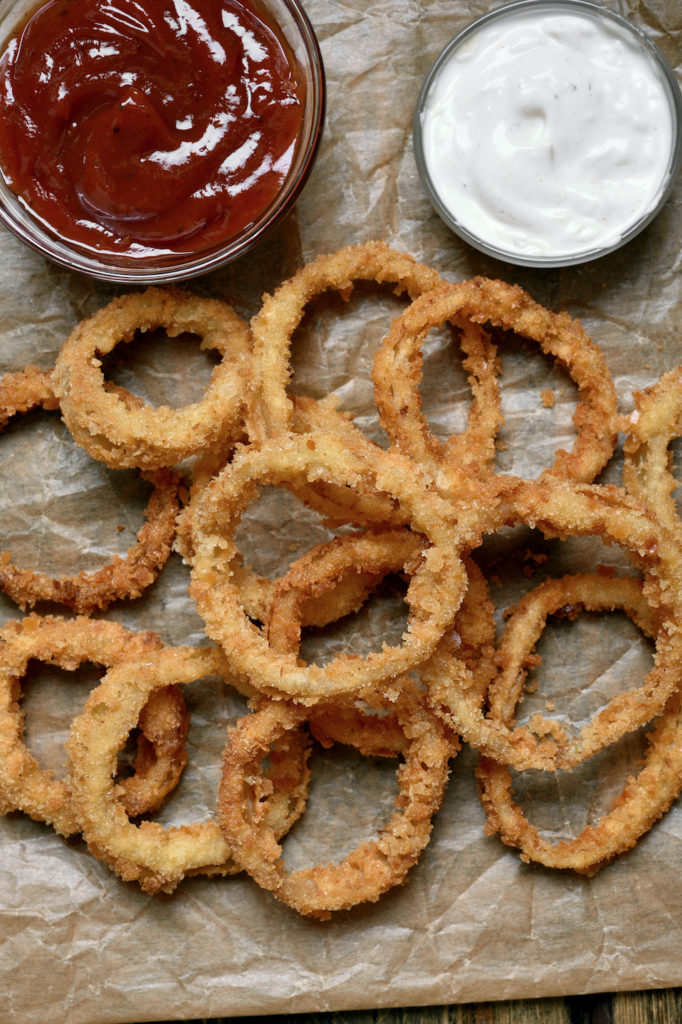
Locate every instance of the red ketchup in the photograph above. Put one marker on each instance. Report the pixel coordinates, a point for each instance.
(140, 128)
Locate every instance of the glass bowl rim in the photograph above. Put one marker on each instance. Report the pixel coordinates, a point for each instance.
(498, 13)
(172, 269)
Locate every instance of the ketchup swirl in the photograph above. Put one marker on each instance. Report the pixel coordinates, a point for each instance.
(151, 127)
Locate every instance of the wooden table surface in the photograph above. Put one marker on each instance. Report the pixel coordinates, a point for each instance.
(662, 1006)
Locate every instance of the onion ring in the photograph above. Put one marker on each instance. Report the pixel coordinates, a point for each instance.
(434, 594)
(158, 858)
(271, 412)
(26, 787)
(656, 421)
(527, 620)
(123, 578)
(121, 430)
(161, 751)
(373, 867)
(318, 574)
(562, 510)
(397, 373)
(643, 800)
(317, 586)
(26, 390)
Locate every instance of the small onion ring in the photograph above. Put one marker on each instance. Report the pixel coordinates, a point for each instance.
(24, 786)
(363, 557)
(561, 510)
(161, 751)
(373, 867)
(434, 594)
(643, 800)
(121, 430)
(123, 578)
(397, 372)
(656, 421)
(158, 858)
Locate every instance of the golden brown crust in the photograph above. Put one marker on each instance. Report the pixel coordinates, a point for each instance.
(397, 373)
(157, 857)
(117, 428)
(24, 786)
(123, 578)
(643, 800)
(373, 867)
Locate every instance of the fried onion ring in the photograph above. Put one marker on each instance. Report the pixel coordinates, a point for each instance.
(123, 578)
(26, 787)
(317, 586)
(527, 620)
(643, 800)
(656, 421)
(161, 751)
(397, 373)
(272, 412)
(562, 510)
(158, 858)
(434, 594)
(362, 558)
(26, 390)
(121, 430)
(373, 867)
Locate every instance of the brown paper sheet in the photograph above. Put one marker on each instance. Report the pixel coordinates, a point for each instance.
(474, 922)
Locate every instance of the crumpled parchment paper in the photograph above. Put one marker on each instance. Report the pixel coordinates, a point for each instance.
(473, 922)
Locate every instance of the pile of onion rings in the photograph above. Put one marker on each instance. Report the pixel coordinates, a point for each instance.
(417, 512)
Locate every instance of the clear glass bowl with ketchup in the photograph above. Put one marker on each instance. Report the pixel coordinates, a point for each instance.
(154, 140)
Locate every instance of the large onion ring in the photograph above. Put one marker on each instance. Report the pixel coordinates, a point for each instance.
(656, 421)
(643, 800)
(562, 510)
(160, 857)
(434, 594)
(26, 787)
(374, 866)
(397, 372)
(121, 430)
(271, 410)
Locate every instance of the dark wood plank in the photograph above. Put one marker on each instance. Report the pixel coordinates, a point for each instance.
(593, 1009)
(661, 1006)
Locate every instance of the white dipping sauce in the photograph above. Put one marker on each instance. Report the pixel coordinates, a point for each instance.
(548, 134)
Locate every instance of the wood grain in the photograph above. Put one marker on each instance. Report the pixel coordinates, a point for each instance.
(662, 1006)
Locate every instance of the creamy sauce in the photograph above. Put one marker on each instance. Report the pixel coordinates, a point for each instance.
(548, 134)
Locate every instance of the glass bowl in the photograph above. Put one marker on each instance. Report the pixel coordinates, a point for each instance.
(299, 34)
(675, 161)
